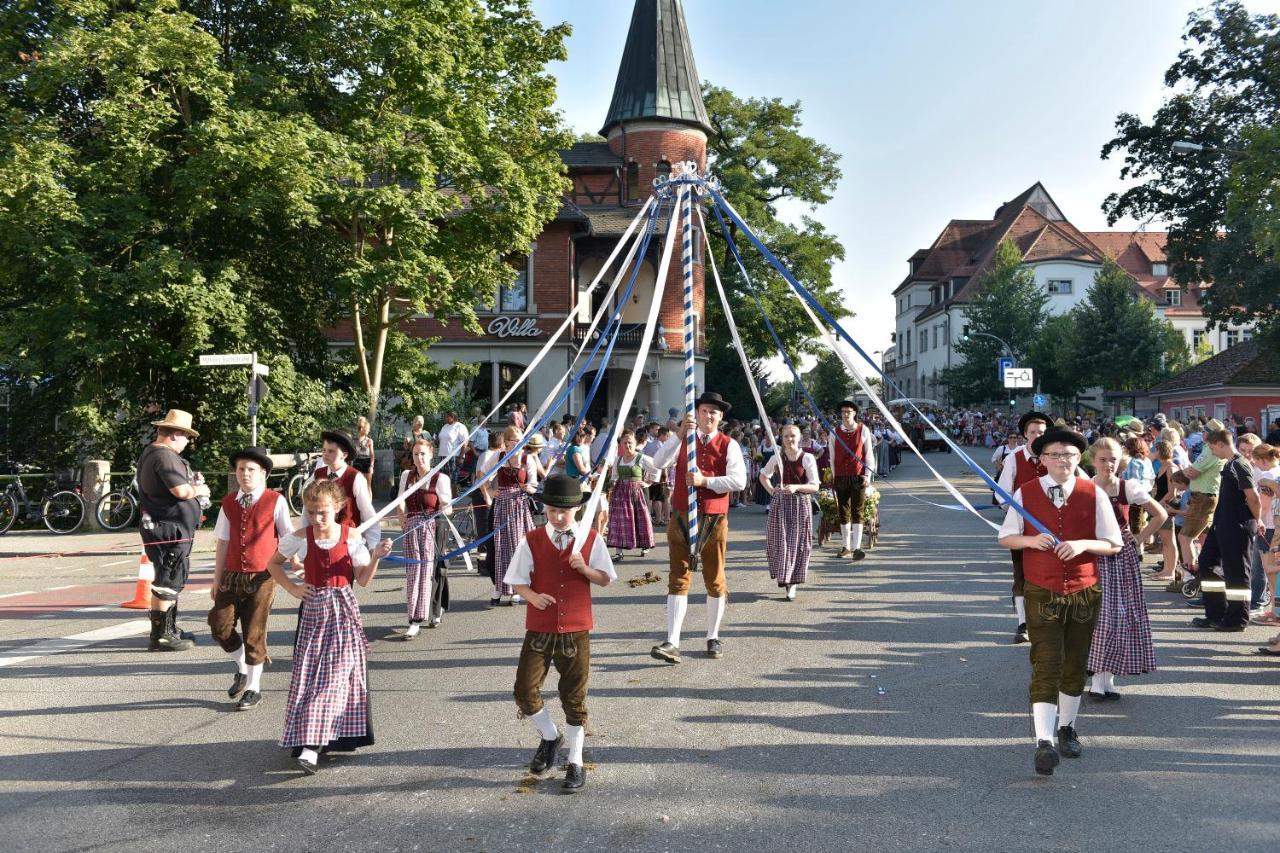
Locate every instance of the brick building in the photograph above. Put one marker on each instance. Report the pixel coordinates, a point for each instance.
(1243, 380)
(656, 118)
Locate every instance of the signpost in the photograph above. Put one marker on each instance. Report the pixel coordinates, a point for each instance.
(256, 390)
(1019, 377)
(1004, 363)
(1039, 401)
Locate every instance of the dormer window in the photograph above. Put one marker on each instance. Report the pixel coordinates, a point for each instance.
(664, 168)
(1159, 270)
(1173, 297)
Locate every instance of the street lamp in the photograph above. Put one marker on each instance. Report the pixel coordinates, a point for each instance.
(1184, 146)
(1008, 350)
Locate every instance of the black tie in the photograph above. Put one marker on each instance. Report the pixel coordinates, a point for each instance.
(562, 539)
(1057, 495)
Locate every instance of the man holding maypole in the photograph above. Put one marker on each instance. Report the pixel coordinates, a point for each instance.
(720, 470)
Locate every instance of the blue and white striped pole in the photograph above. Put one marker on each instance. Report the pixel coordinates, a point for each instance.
(690, 383)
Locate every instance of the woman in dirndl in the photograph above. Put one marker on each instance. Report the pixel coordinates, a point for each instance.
(789, 535)
(328, 705)
(1122, 637)
(629, 523)
(514, 481)
(425, 588)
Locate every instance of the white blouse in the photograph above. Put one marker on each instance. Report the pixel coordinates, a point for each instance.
(295, 545)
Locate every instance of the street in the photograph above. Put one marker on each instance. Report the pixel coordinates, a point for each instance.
(884, 709)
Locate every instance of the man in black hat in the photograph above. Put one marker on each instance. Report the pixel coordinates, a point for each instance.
(1020, 467)
(719, 469)
(338, 447)
(248, 533)
(852, 464)
(1061, 585)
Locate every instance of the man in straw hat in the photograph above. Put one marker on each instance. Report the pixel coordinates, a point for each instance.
(170, 495)
(556, 582)
(337, 448)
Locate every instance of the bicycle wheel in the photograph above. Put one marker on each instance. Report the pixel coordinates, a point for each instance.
(63, 512)
(293, 493)
(8, 511)
(116, 510)
(465, 521)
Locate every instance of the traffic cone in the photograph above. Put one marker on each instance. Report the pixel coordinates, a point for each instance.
(142, 592)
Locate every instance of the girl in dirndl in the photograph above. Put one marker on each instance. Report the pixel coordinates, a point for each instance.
(328, 705)
(629, 523)
(513, 482)
(1122, 637)
(425, 588)
(789, 535)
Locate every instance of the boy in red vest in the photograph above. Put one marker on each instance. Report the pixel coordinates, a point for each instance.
(853, 461)
(1021, 467)
(556, 583)
(1060, 581)
(248, 531)
(337, 448)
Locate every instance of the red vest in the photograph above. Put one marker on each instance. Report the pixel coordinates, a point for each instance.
(851, 462)
(793, 473)
(254, 537)
(424, 500)
(509, 477)
(347, 480)
(1120, 506)
(330, 568)
(553, 576)
(1077, 519)
(1025, 470)
(713, 460)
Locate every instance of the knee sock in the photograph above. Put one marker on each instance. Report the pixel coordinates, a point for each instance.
(1068, 707)
(309, 754)
(845, 538)
(574, 736)
(791, 591)
(1108, 681)
(715, 612)
(676, 607)
(238, 654)
(255, 678)
(546, 726)
(1045, 715)
(856, 531)
(1020, 607)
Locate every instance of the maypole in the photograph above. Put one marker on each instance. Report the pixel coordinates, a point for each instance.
(690, 171)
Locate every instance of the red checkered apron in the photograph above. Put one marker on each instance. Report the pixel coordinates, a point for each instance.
(789, 537)
(629, 523)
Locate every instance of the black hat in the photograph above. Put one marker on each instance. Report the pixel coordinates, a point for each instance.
(1033, 416)
(256, 454)
(342, 438)
(1059, 435)
(562, 491)
(711, 398)
(847, 404)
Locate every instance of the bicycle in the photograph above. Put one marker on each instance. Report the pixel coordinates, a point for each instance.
(306, 463)
(62, 512)
(118, 508)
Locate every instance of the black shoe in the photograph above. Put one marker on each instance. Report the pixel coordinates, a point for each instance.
(574, 780)
(1225, 628)
(546, 754)
(1046, 758)
(249, 700)
(237, 684)
(172, 614)
(713, 649)
(168, 640)
(858, 554)
(1204, 622)
(494, 602)
(1113, 696)
(1020, 635)
(666, 652)
(1068, 744)
(157, 630)
(1098, 697)
(308, 767)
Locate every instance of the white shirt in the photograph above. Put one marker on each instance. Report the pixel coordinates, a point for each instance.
(1010, 468)
(1001, 452)
(652, 446)
(479, 437)
(650, 473)
(364, 503)
(1268, 502)
(444, 490)
(520, 571)
(869, 459)
(735, 470)
(452, 437)
(810, 468)
(284, 523)
(1105, 526)
(295, 545)
(552, 452)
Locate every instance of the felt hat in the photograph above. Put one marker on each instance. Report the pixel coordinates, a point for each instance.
(1033, 416)
(255, 454)
(179, 420)
(562, 491)
(711, 398)
(537, 440)
(847, 404)
(1058, 435)
(342, 438)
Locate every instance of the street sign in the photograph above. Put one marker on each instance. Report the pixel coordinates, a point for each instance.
(253, 410)
(1019, 377)
(229, 359)
(1039, 401)
(1004, 363)
(264, 369)
(256, 390)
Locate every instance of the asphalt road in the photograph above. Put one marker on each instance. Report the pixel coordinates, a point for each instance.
(883, 710)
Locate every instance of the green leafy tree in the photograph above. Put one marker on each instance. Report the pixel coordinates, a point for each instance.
(731, 382)
(1202, 350)
(1053, 357)
(829, 382)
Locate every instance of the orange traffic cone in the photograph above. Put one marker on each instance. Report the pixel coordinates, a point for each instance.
(142, 592)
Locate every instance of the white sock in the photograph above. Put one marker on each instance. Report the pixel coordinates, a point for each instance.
(1096, 683)
(791, 591)
(1020, 607)
(574, 736)
(309, 755)
(413, 630)
(844, 535)
(1068, 707)
(239, 656)
(497, 592)
(856, 530)
(545, 725)
(255, 678)
(1108, 682)
(715, 612)
(676, 607)
(1045, 715)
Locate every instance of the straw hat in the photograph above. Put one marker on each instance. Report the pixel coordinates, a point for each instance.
(537, 440)
(1214, 425)
(179, 420)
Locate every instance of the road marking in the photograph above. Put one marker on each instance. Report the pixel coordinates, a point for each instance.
(56, 588)
(75, 641)
(116, 563)
(12, 594)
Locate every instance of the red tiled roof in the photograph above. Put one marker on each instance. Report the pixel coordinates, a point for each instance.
(1243, 364)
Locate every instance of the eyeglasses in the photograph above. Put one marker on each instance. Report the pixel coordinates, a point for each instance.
(1063, 457)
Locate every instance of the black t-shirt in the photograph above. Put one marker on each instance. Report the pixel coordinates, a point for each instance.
(1233, 509)
(159, 470)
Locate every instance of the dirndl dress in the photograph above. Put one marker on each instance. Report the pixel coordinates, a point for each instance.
(629, 523)
(419, 547)
(1122, 642)
(511, 521)
(789, 533)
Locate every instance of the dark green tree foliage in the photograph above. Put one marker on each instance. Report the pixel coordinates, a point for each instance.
(1053, 357)
(829, 382)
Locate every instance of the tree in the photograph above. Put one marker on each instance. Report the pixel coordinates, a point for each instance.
(1007, 305)
(829, 382)
(730, 380)
(1053, 357)
(1202, 350)
(1223, 91)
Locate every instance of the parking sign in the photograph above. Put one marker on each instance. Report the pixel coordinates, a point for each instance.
(1002, 364)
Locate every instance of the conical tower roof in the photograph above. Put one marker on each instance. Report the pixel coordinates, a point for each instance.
(657, 78)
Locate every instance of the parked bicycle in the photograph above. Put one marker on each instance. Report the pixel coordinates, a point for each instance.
(118, 508)
(306, 464)
(62, 511)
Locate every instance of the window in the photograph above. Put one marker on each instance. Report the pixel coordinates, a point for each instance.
(1197, 335)
(633, 181)
(1059, 285)
(965, 334)
(1173, 296)
(1159, 270)
(513, 298)
(1246, 334)
(1233, 338)
(1176, 414)
(664, 169)
(935, 337)
(924, 340)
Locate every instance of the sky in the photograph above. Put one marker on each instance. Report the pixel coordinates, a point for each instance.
(939, 110)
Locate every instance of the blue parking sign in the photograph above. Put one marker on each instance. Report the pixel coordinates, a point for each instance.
(1002, 364)
(1038, 401)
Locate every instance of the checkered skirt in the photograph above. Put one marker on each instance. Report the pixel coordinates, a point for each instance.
(420, 550)
(789, 537)
(512, 520)
(329, 691)
(629, 523)
(1122, 638)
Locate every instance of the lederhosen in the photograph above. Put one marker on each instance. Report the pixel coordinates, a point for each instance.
(848, 467)
(246, 590)
(713, 521)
